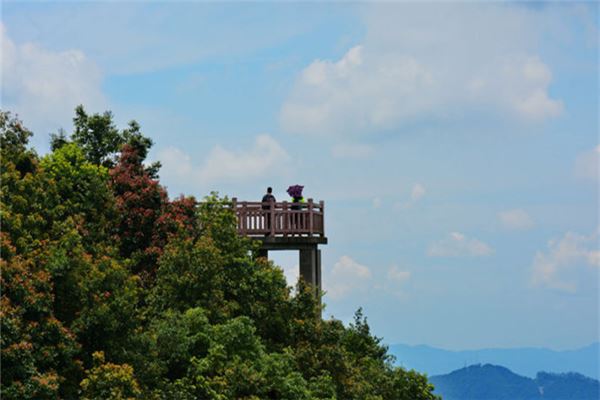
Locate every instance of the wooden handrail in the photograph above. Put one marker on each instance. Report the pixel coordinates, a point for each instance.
(256, 218)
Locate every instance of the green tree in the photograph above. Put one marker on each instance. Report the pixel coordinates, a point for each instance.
(216, 271)
(97, 136)
(22, 195)
(101, 141)
(78, 189)
(108, 381)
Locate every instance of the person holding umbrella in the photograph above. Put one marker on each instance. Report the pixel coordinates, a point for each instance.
(295, 192)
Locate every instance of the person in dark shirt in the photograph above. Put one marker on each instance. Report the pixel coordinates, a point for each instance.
(268, 198)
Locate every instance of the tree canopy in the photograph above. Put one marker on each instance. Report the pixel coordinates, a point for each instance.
(112, 290)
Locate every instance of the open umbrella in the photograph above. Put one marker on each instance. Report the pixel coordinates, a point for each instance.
(295, 190)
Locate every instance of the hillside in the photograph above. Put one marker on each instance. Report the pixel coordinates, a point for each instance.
(523, 361)
(113, 290)
(490, 382)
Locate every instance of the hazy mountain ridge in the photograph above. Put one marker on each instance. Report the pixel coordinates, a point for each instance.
(523, 361)
(491, 382)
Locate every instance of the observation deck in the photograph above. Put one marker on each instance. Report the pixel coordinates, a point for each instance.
(286, 226)
(280, 219)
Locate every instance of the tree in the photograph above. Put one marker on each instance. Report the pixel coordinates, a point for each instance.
(21, 193)
(38, 351)
(214, 269)
(139, 201)
(101, 141)
(97, 136)
(108, 381)
(78, 189)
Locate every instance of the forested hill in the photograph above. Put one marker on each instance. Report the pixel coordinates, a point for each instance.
(112, 290)
(491, 382)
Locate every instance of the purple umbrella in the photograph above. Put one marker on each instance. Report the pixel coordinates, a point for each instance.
(295, 190)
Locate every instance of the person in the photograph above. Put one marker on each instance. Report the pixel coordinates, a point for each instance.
(297, 200)
(268, 198)
(295, 191)
(297, 205)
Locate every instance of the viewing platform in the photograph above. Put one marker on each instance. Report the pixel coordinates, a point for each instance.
(280, 219)
(286, 226)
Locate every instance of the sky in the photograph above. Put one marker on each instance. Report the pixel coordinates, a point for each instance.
(456, 145)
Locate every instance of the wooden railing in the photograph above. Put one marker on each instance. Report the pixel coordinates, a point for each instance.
(280, 218)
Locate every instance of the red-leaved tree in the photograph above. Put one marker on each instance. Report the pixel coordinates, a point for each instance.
(147, 219)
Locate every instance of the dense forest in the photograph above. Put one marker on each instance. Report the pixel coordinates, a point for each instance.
(113, 290)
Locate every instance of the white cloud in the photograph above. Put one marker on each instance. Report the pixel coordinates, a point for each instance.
(396, 282)
(397, 275)
(515, 219)
(348, 150)
(457, 244)
(346, 276)
(587, 165)
(176, 162)
(45, 86)
(417, 192)
(259, 160)
(481, 57)
(558, 267)
(265, 158)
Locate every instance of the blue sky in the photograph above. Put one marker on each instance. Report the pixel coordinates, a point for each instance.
(455, 144)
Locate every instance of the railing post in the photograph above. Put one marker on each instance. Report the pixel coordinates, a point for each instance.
(286, 219)
(322, 205)
(310, 217)
(272, 217)
(244, 217)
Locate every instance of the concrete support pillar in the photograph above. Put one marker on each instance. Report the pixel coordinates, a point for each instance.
(310, 266)
(318, 270)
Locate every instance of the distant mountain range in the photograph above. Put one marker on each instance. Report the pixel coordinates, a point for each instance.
(523, 361)
(490, 382)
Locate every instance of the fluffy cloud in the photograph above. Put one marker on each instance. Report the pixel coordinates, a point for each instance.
(483, 58)
(397, 275)
(416, 194)
(45, 86)
(515, 219)
(587, 165)
(396, 281)
(457, 244)
(346, 276)
(558, 268)
(265, 158)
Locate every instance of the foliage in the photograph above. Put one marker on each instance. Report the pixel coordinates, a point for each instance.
(146, 218)
(111, 290)
(108, 381)
(38, 351)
